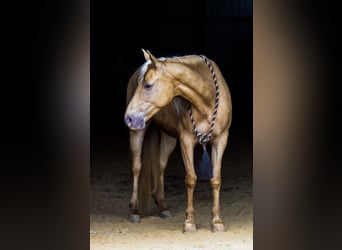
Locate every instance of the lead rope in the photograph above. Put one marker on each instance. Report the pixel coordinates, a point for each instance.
(204, 138)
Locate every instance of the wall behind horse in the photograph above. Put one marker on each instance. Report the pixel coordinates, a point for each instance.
(222, 30)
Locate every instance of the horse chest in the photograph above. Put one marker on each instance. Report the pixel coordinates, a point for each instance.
(165, 119)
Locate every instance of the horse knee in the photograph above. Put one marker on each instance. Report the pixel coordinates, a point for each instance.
(136, 170)
(190, 181)
(215, 183)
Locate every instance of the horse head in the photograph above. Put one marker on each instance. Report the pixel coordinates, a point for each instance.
(155, 90)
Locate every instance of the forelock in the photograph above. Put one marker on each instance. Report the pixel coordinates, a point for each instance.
(143, 70)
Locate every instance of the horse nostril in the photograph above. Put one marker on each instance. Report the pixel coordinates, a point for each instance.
(135, 121)
(129, 120)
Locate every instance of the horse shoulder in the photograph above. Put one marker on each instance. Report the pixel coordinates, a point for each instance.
(171, 118)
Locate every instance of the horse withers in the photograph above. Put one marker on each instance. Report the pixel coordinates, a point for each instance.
(183, 98)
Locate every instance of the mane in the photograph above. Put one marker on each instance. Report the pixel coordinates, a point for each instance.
(143, 70)
(181, 105)
(189, 60)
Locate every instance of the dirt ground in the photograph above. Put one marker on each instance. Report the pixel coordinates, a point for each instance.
(111, 188)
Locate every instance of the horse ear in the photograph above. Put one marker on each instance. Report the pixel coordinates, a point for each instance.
(149, 57)
(146, 55)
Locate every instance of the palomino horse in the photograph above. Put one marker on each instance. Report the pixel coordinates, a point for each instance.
(186, 98)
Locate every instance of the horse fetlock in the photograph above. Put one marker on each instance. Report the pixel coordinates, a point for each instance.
(190, 219)
(162, 207)
(217, 220)
(133, 206)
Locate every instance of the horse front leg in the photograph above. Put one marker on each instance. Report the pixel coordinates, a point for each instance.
(167, 145)
(136, 143)
(187, 149)
(217, 151)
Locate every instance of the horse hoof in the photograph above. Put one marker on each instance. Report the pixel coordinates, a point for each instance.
(165, 214)
(217, 227)
(134, 218)
(189, 228)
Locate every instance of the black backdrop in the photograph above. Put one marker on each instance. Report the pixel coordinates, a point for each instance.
(221, 30)
(52, 210)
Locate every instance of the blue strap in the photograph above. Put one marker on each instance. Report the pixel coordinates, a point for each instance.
(205, 168)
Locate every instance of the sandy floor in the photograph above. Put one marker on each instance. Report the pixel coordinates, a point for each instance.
(110, 195)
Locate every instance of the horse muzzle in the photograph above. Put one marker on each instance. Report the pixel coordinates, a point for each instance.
(135, 122)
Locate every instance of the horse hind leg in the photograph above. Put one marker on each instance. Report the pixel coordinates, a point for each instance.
(167, 145)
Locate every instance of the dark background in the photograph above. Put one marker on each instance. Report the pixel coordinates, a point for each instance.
(44, 210)
(221, 30)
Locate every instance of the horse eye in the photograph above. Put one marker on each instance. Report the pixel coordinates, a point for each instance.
(147, 85)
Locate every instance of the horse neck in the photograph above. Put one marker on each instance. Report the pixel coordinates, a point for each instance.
(196, 86)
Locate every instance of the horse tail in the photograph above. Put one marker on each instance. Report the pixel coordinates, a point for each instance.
(148, 178)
